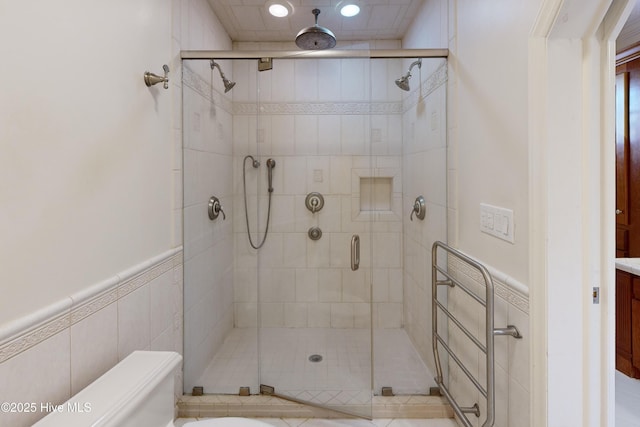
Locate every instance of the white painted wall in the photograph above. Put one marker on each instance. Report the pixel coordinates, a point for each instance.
(489, 66)
(546, 61)
(86, 163)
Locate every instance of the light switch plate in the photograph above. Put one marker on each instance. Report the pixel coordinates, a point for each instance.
(497, 222)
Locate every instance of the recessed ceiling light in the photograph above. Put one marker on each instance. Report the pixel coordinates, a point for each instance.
(279, 9)
(350, 10)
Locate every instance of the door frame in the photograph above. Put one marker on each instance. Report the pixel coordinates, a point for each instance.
(572, 201)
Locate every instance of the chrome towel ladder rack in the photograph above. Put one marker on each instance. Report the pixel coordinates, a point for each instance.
(490, 333)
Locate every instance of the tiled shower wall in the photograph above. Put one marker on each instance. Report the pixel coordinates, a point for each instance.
(202, 127)
(424, 174)
(327, 123)
(208, 244)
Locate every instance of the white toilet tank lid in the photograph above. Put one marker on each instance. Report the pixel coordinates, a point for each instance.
(228, 422)
(117, 391)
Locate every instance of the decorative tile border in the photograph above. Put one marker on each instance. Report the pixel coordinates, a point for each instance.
(318, 108)
(99, 302)
(132, 284)
(193, 80)
(60, 316)
(512, 291)
(35, 335)
(434, 81)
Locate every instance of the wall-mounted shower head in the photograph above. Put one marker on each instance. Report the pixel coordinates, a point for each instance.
(228, 84)
(315, 37)
(403, 82)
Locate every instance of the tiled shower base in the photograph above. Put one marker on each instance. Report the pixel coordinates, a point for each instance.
(342, 379)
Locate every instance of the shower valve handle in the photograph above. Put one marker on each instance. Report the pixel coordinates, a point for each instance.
(215, 209)
(151, 79)
(419, 208)
(218, 208)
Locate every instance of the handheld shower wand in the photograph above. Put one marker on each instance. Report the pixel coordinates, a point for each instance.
(255, 163)
(270, 165)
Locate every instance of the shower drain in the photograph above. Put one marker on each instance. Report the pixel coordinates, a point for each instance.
(315, 358)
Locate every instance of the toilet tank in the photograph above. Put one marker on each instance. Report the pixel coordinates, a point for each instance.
(138, 391)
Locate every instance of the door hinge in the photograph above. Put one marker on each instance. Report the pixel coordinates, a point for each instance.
(596, 295)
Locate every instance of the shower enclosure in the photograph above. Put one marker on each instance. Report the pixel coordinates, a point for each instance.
(329, 155)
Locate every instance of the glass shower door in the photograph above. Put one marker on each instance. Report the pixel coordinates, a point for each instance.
(314, 270)
(332, 137)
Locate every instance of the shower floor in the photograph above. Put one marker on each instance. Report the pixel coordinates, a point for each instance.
(343, 375)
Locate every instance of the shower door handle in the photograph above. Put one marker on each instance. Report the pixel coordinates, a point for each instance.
(355, 252)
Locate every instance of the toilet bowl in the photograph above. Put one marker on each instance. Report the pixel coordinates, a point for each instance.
(227, 422)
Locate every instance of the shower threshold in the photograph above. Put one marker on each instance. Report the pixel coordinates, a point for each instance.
(261, 406)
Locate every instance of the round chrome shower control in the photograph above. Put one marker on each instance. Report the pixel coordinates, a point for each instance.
(314, 202)
(419, 208)
(215, 208)
(315, 233)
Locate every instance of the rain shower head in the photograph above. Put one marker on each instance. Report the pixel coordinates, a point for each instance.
(228, 84)
(403, 82)
(315, 37)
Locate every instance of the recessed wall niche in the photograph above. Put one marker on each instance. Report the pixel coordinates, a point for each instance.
(376, 194)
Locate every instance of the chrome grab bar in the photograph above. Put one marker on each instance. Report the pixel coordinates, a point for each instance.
(490, 333)
(355, 252)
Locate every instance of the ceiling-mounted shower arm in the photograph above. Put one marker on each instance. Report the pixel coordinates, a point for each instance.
(228, 85)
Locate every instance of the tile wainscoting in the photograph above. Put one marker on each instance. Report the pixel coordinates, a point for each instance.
(512, 379)
(51, 355)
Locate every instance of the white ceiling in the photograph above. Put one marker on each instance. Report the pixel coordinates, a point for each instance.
(249, 20)
(630, 33)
